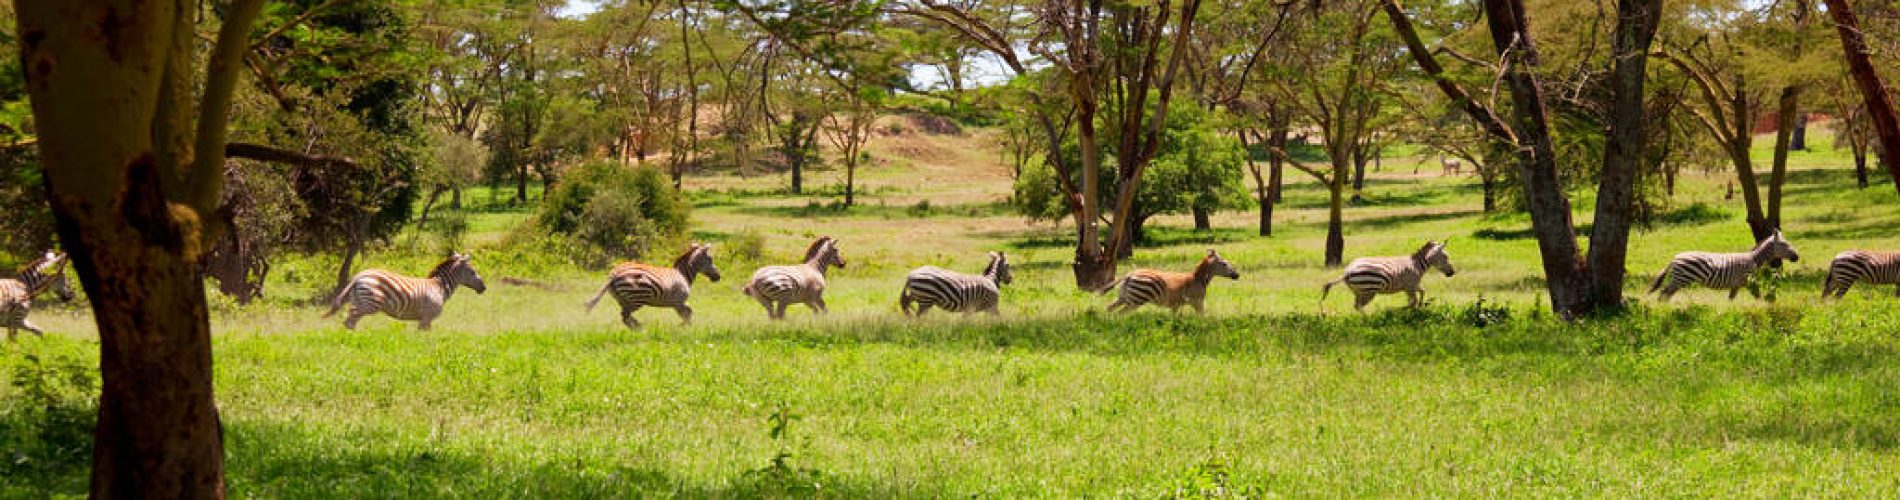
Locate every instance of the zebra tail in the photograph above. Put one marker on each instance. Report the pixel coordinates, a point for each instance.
(1328, 288)
(903, 301)
(1112, 285)
(336, 303)
(597, 295)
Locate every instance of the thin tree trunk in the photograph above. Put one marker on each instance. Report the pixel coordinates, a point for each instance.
(350, 251)
(1860, 167)
(1784, 141)
(423, 220)
(1335, 225)
(455, 198)
(1201, 222)
(1879, 103)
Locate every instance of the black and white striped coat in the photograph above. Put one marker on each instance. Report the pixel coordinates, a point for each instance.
(403, 297)
(1729, 271)
(953, 291)
(1171, 289)
(635, 285)
(16, 294)
(777, 287)
(1871, 267)
(1369, 277)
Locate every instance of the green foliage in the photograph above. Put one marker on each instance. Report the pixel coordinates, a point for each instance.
(46, 421)
(1197, 166)
(616, 211)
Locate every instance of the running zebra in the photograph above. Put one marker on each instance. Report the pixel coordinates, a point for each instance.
(403, 297)
(1170, 289)
(777, 287)
(1369, 277)
(1875, 268)
(953, 291)
(637, 285)
(16, 294)
(1722, 270)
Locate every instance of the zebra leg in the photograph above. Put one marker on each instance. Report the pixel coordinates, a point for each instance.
(626, 316)
(686, 313)
(349, 323)
(29, 326)
(818, 305)
(1360, 299)
(1199, 307)
(779, 311)
(1732, 292)
(921, 308)
(767, 303)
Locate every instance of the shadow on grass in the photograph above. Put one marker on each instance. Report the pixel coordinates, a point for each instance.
(275, 460)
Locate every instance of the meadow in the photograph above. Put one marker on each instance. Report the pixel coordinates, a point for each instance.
(520, 392)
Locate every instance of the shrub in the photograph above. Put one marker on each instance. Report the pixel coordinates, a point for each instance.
(746, 245)
(614, 210)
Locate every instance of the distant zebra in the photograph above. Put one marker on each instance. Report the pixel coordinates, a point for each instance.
(34, 278)
(1875, 268)
(1453, 166)
(1369, 277)
(1722, 270)
(777, 287)
(637, 285)
(403, 297)
(1170, 289)
(953, 291)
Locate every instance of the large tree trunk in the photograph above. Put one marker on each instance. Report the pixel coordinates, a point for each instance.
(1784, 141)
(1543, 193)
(1879, 103)
(113, 97)
(1628, 137)
(1201, 221)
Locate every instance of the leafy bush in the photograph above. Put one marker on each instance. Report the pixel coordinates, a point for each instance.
(615, 211)
(46, 426)
(746, 245)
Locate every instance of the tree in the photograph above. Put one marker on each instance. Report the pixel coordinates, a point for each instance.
(1578, 285)
(1879, 103)
(1196, 171)
(134, 178)
(1327, 82)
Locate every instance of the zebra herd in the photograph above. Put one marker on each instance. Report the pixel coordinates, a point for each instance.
(636, 285)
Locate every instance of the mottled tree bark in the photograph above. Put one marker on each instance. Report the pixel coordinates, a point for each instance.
(113, 98)
(1879, 103)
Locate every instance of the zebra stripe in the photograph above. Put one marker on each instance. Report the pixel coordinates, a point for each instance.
(635, 285)
(47, 272)
(1368, 277)
(1874, 268)
(1729, 271)
(777, 287)
(1170, 289)
(953, 291)
(405, 298)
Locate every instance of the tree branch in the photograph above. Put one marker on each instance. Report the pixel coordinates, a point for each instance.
(1485, 117)
(270, 154)
(206, 176)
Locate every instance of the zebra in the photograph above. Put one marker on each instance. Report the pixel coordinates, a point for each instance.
(636, 285)
(34, 278)
(1875, 268)
(1722, 270)
(953, 291)
(1170, 289)
(777, 287)
(403, 297)
(1369, 277)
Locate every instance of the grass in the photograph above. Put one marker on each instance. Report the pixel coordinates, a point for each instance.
(520, 393)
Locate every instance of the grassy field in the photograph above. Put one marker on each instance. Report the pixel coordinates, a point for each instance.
(519, 392)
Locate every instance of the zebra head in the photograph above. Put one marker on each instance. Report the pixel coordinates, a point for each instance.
(999, 269)
(824, 253)
(1433, 256)
(702, 261)
(1214, 265)
(459, 270)
(50, 272)
(1776, 248)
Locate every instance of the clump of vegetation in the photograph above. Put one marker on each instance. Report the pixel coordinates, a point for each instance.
(746, 245)
(46, 426)
(614, 211)
(780, 475)
(921, 209)
(1211, 479)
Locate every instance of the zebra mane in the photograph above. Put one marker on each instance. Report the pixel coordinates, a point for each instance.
(33, 266)
(687, 257)
(445, 266)
(996, 261)
(817, 246)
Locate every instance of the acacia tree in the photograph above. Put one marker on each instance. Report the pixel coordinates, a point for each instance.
(1577, 284)
(1327, 82)
(134, 174)
(1879, 102)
